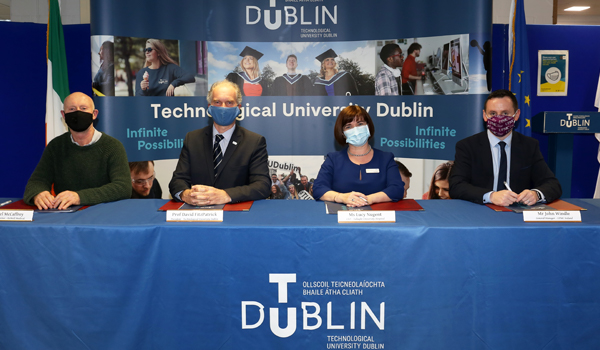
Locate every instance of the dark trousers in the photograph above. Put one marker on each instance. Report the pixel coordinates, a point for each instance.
(408, 89)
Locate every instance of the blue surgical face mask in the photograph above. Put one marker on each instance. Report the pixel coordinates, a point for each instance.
(224, 116)
(357, 136)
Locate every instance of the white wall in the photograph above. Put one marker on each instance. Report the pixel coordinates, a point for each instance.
(164, 171)
(537, 11)
(36, 11)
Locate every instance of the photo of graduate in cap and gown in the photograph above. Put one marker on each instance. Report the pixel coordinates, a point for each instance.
(249, 78)
(292, 83)
(330, 81)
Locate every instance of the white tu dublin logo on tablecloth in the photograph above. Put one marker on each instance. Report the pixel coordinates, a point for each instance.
(311, 317)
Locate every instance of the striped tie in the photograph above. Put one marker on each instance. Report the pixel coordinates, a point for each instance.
(217, 153)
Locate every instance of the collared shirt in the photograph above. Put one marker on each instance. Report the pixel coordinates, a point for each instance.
(385, 81)
(95, 138)
(395, 71)
(224, 143)
(495, 147)
(226, 137)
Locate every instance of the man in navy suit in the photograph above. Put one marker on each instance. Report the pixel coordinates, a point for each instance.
(501, 166)
(222, 163)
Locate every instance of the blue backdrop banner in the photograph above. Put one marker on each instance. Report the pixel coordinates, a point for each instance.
(149, 99)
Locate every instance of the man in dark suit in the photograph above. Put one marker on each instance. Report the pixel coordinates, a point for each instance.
(486, 161)
(222, 163)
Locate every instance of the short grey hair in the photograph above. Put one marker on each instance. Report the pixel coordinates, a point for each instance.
(238, 92)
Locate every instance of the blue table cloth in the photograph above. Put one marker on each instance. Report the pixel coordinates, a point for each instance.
(454, 276)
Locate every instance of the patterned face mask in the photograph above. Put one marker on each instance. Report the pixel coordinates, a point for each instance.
(500, 125)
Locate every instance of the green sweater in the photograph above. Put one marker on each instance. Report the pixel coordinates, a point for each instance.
(98, 173)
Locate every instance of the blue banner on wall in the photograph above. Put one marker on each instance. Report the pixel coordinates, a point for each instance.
(201, 42)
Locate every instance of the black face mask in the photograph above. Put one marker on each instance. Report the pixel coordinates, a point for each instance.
(79, 120)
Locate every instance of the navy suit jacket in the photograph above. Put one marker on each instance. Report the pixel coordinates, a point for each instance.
(472, 175)
(243, 173)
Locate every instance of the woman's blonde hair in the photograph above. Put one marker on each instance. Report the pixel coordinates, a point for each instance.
(255, 71)
(295, 194)
(322, 74)
(161, 50)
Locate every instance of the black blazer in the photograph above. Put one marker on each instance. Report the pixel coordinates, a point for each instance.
(243, 173)
(472, 175)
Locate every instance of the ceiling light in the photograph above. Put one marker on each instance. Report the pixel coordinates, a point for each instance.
(577, 8)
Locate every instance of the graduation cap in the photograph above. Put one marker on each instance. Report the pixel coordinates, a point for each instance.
(327, 54)
(248, 51)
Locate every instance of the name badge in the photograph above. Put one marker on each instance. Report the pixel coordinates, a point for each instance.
(195, 215)
(16, 215)
(366, 216)
(551, 216)
(373, 171)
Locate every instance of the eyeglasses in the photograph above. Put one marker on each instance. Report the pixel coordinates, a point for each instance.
(141, 182)
(148, 49)
(398, 54)
(493, 114)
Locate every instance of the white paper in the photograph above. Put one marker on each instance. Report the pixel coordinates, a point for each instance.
(16, 215)
(195, 215)
(366, 216)
(551, 216)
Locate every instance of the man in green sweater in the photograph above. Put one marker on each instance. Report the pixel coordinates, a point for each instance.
(85, 166)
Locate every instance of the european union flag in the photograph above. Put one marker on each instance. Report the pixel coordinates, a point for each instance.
(518, 53)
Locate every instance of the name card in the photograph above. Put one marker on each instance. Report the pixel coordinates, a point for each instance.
(195, 215)
(366, 216)
(16, 215)
(551, 216)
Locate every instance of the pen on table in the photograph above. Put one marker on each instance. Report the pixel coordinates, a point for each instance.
(510, 189)
(5, 203)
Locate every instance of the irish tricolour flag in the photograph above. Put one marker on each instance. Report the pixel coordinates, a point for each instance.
(58, 79)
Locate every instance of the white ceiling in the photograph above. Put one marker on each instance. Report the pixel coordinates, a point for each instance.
(594, 9)
(590, 16)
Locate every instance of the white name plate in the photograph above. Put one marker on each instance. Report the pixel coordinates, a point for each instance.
(551, 216)
(16, 215)
(366, 216)
(199, 215)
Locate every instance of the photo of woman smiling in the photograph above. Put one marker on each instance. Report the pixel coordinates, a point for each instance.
(331, 81)
(249, 78)
(161, 74)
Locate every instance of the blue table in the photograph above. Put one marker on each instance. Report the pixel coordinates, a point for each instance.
(455, 276)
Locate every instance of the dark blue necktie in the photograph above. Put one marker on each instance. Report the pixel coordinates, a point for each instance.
(217, 153)
(502, 172)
